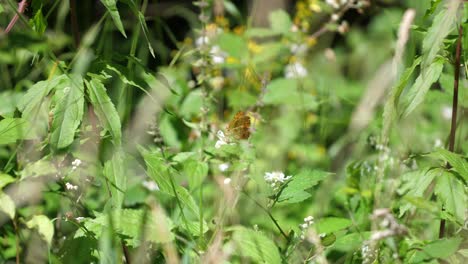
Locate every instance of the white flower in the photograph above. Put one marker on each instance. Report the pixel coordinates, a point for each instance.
(275, 179)
(447, 112)
(202, 40)
(295, 70)
(70, 186)
(80, 219)
(276, 176)
(227, 181)
(217, 55)
(76, 163)
(336, 3)
(298, 48)
(438, 143)
(150, 185)
(223, 166)
(309, 219)
(221, 139)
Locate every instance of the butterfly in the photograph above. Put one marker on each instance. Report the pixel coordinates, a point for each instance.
(239, 127)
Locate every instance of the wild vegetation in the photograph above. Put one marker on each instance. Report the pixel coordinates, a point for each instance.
(218, 131)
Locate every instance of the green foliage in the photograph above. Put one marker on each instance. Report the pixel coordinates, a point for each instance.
(125, 137)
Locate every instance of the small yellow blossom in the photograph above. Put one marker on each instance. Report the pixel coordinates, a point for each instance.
(254, 47)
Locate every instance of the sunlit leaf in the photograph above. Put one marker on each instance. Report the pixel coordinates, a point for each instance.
(332, 224)
(116, 173)
(296, 189)
(104, 108)
(44, 226)
(458, 162)
(7, 205)
(417, 92)
(68, 112)
(13, 129)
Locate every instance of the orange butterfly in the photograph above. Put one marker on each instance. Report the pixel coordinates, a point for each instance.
(239, 127)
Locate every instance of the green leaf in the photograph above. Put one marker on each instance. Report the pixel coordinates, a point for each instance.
(38, 22)
(332, 224)
(350, 242)
(444, 22)
(168, 132)
(392, 102)
(233, 44)
(104, 109)
(195, 171)
(7, 205)
(295, 190)
(10, 100)
(255, 245)
(192, 104)
(5, 179)
(67, 113)
(13, 129)
(280, 21)
(30, 102)
(458, 162)
(415, 184)
(38, 168)
(128, 223)
(442, 248)
(417, 92)
(111, 6)
(451, 191)
(44, 226)
(116, 173)
(194, 227)
(279, 89)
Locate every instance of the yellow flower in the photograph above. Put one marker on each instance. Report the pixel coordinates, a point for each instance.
(231, 60)
(254, 47)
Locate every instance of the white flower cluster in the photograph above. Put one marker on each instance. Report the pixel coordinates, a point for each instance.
(308, 221)
(223, 167)
(336, 3)
(217, 55)
(71, 187)
(75, 164)
(368, 254)
(276, 178)
(295, 70)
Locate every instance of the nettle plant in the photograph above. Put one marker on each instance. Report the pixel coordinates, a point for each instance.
(212, 157)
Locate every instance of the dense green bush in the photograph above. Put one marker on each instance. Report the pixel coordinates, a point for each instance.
(335, 135)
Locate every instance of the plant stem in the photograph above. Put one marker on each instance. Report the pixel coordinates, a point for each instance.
(269, 214)
(453, 126)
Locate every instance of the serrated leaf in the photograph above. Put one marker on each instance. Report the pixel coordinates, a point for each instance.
(7, 205)
(332, 224)
(104, 109)
(255, 245)
(68, 112)
(13, 129)
(458, 162)
(295, 190)
(442, 248)
(116, 173)
(194, 227)
(5, 179)
(111, 6)
(415, 184)
(29, 103)
(451, 192)
(417, 92)
(44, 226)
(444, 22)
(38, 22)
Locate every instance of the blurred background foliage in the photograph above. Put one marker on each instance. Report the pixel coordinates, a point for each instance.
(314, 79)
